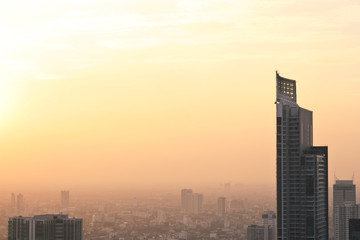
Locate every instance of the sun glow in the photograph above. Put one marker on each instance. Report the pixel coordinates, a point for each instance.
(5, 90)
(5, 94)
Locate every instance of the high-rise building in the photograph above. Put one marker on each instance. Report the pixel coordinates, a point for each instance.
(65, 199)
(191, 202)
(197, 203)
(255, 232)
(301, 170)
(13, 201)
(343, 213)
(52, 226)
(20, 202)
(344, 192)
(269, 221)
(354, 229)
(221, 209)
(186, 199)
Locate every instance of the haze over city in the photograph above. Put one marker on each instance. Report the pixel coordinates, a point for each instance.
(179, 120)
(134, 94)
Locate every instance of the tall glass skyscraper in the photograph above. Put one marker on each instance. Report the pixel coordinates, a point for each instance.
(302, 170)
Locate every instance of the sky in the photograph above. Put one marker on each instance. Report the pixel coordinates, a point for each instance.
(117, 93)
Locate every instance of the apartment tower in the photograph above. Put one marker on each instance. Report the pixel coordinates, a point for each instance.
(302, 170)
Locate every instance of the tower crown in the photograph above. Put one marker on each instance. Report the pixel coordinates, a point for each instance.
(285, 90)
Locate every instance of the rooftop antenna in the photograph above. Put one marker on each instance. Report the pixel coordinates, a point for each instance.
(353, 177)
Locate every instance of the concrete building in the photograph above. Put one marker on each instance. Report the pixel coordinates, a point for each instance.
(255, 232)
(13, 201)
(65, 199)
(343, 213)
(302, 170)
(186, 199)
(20, 202)
(191, 202)
(221, 206)
(52, 226)
(344, 192)
(197, 203)
(269, 221)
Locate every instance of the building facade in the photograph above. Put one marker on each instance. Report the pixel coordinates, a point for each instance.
(221, 208)
(191, 202)
(65, 199)
(20, 202)
(344, 192)
(269, 221)
(302, 170)
(186, 199)
(197, 203)
(45, 227)
(354, 229)
(343, 213)
(255, 232)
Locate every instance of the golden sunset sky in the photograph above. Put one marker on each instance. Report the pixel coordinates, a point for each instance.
(150, 92)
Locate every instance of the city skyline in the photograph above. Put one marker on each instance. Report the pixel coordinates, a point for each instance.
(155, 119)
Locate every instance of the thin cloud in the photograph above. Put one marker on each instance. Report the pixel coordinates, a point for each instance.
(47, 76)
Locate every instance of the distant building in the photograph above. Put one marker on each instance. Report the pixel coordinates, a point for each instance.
(52, 226)
(301, 170)
(343, 213)
(269, 221)
(191, 202)
(344, 192)
(255, 232)
(20, 202)
(197, 203)
(354, 229)
(13, 201)
(221, 206)
(186, 198)
(65, 199)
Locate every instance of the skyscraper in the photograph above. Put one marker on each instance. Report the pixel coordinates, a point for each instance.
(344, 192)
(65, 199)
(197, 203)
(186, 198)
(301, 170)
(221, 206)
(20, 202)
(13, 201)
(255, 232)
(343, 213)
(191, 202)
(52, 226)
(269, 221)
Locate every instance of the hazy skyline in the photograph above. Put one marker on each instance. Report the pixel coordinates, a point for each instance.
(132, 93)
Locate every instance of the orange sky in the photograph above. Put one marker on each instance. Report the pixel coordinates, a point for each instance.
(132, 93)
